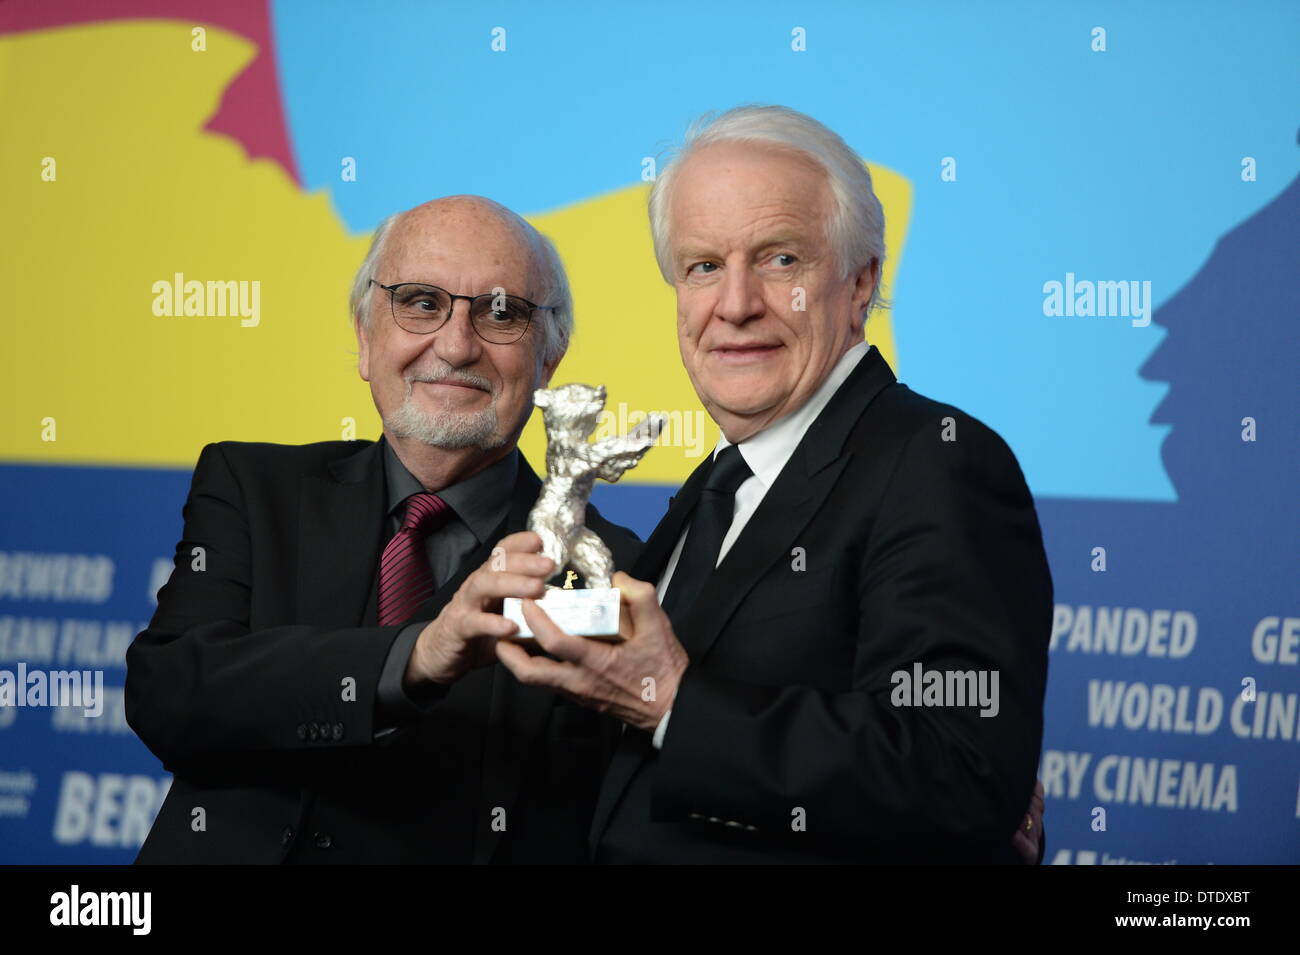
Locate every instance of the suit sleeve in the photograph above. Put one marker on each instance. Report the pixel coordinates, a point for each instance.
(394, 703)
(205, 691)
(952, 575)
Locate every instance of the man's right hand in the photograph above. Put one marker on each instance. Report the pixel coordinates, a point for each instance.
(464, 635)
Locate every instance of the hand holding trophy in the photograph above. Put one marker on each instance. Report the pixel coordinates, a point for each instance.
(572, 466)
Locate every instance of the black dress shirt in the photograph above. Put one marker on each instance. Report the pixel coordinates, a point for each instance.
(479, 504)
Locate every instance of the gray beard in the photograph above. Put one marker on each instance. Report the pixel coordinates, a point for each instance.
(445, 429)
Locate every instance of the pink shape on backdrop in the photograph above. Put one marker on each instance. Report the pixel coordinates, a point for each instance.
(251, 110)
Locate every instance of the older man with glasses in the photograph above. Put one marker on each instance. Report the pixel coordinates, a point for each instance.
(318, 673)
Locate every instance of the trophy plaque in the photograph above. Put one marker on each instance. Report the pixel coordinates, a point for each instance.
(573, 463)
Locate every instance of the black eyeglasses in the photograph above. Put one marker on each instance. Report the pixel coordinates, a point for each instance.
(496, 317)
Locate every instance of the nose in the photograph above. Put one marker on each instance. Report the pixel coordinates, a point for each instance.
(456, 342)
(740, 296)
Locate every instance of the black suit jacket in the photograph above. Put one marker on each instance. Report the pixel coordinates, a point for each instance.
(255, 684)
(880, 545)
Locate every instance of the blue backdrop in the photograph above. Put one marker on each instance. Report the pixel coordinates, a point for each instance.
(1165, 458)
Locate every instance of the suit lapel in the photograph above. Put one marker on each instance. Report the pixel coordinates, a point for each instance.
(649, 567)
(344, 512)
(518, 713)
(786, 509)
(768, 537)
(654, 555)
(340, 512)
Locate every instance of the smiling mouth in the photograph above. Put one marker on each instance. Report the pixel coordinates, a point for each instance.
(462, 385)
(743, 353)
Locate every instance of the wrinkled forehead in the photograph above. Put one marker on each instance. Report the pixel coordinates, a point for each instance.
(466, 251)
(748, 191)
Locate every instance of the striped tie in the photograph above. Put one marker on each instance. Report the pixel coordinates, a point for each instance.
(405, 580)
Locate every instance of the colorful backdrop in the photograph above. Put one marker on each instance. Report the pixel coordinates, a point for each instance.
(1092, 217)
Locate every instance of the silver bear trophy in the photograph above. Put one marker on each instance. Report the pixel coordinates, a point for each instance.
(570, 413)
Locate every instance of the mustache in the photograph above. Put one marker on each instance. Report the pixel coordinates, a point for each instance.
(450, 374)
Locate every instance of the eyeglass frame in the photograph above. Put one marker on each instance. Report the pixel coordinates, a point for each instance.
(391, 290)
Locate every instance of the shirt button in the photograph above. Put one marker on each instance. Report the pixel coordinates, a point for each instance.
(286, 837)
(313, 733)
(338, 731)
(321, 840)
(302, 730)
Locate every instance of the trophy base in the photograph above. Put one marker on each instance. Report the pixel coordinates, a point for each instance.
(592, 613)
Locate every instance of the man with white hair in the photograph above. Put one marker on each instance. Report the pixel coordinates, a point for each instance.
(840, 628)
(319, 672)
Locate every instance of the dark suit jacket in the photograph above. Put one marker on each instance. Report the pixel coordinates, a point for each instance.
(914, 549)
(240, 684)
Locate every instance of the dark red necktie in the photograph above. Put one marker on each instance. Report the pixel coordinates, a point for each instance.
(405, 580)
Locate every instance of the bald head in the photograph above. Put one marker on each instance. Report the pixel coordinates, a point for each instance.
(469, 245)
(446, 228)
(452, 400)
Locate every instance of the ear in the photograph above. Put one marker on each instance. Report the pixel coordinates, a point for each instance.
(548, 369)
(363, 348)
(863, 287)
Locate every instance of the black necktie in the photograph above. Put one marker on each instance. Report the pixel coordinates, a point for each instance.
(699, 556)
(709, 526)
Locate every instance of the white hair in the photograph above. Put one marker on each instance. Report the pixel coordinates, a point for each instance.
(856, 228)
(553, 289)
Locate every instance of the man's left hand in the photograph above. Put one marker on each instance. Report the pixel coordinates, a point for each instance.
(633, 681)
(1027, 837)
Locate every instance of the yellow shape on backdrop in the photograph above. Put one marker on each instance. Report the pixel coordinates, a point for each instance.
(142, 192)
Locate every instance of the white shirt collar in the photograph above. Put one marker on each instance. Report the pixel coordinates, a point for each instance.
(767, 452)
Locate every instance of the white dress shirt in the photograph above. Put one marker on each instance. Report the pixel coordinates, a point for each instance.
(766, 453)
